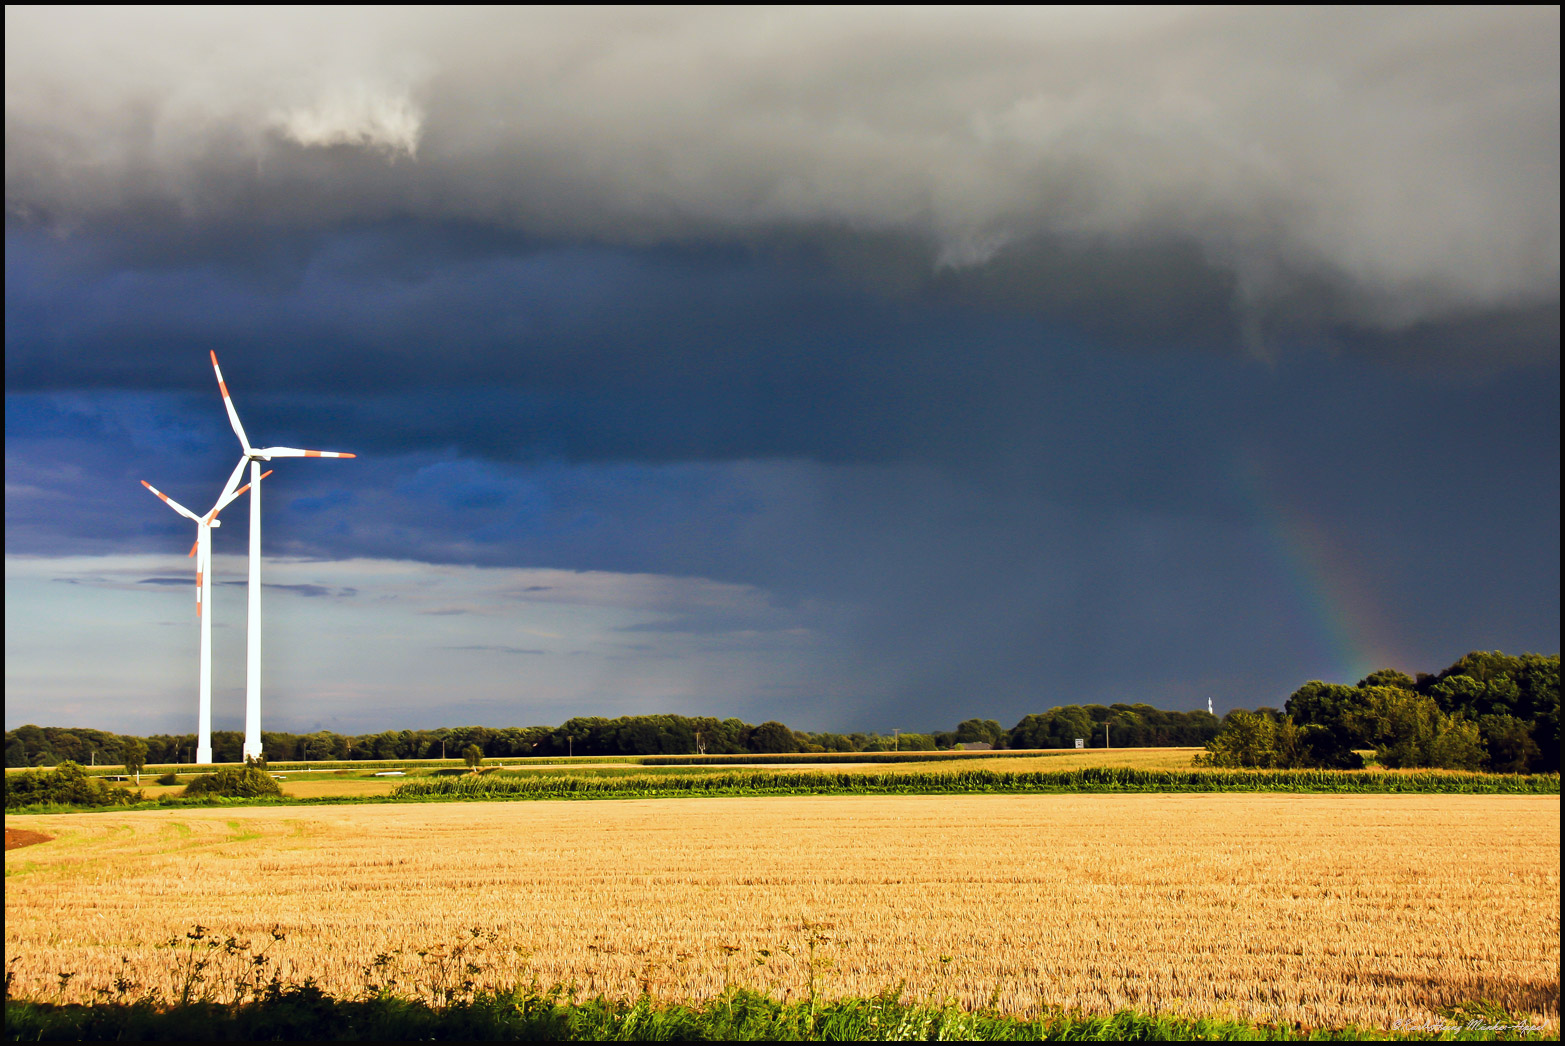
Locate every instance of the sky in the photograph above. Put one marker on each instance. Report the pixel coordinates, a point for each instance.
(857, 368)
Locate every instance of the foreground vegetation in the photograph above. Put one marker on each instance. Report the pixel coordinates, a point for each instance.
(303, 1012)
(1292, 909)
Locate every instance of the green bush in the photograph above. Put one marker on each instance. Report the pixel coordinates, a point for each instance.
(170, 778)
(65, 785)
(245, 782)
(1253, 740)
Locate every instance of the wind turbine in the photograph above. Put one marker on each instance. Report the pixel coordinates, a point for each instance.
(202, 551)
(256, 455)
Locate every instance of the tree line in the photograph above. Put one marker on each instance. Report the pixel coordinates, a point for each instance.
(1130, 726)
(1488, 711)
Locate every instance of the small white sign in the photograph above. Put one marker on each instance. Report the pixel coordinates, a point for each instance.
(1080, 743)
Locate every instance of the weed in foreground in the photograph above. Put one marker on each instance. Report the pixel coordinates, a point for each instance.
(303, 1011)
(227, 990)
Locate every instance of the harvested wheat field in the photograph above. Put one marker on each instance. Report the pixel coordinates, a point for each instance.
(1324, 910)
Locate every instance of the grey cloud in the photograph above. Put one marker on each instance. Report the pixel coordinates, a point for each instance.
(497, 649)
(1405, 161)
(307, 590)
(720, 624)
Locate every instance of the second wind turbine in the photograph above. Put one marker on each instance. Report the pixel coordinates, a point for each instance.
(202, 551)
(256, 455)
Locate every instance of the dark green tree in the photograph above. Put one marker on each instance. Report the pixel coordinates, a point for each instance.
(773, 736)
(1388, 677)
(1509, 744)
(984, 730)
(1056, 728)
(1255, 739)
(1410, 730)
(1330, 717)
(134, 754)
(1457, 746)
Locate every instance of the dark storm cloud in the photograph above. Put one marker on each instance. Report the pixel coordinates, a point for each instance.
(1404, 160)
(617, 355)
(1012, 351)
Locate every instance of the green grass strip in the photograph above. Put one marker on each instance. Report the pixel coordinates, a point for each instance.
(659, 783)
(976, 782)
(740, 759)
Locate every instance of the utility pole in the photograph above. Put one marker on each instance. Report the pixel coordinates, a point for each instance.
(1106, 734)
(896, 739)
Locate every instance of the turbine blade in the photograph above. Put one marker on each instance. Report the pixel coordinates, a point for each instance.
(176, 506)
(233, 480)
(198, 566)
(234, 496)
(295, 452)
(228, 404)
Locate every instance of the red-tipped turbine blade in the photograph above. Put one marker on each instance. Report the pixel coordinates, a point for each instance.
(295, 452)
(171, 503)
(228, 405)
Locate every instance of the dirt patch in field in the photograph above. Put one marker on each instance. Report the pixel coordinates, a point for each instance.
(15, 837)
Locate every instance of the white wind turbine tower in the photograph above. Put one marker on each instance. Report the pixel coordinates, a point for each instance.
(202, 550)
(256, 455)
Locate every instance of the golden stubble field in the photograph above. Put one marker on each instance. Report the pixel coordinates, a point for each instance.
(1319, 909)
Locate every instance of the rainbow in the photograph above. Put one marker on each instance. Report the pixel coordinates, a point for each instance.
(1341, 615)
